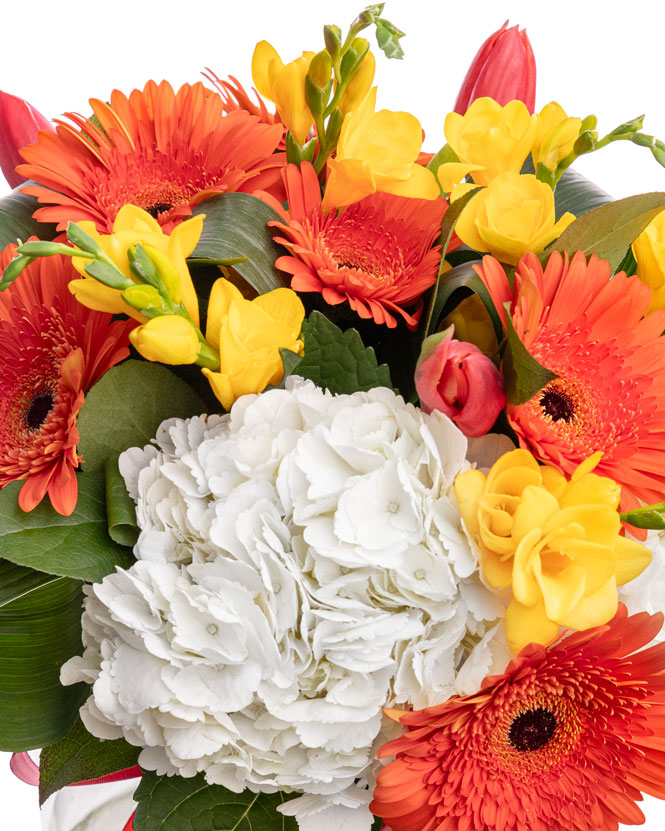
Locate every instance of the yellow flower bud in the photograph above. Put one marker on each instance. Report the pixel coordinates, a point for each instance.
(555, 543)
(142, 297)
(473, 324)
(495, 138)
(168, 339)
(512, 215)
(649, 251)
(377, 152)
(555, 136)
(284, 85)
(359, 85)
(249, 335)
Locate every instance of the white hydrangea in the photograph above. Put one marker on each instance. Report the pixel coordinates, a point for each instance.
(301, 564)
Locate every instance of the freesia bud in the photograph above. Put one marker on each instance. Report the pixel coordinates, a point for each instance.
(504, 69)
(169, 339)
(19, 125)
(458, 380)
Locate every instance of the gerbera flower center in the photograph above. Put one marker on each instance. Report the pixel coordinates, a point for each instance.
(38, 409)
(158, 208)
(532, 729)
(557, 405)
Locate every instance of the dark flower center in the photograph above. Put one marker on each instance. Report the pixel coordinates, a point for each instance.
(532, 729)
(158, 208)
(557, 405)
(40, 406)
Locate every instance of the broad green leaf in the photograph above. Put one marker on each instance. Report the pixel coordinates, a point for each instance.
(16, 222)
(522, 374)
(75, 546)
(236, 225)
(173, 803)
(447, 228)
(578, 195)
(125, 408)
(338, 360)
(120, 507)
(290, 360)
(458, 279)
(609, 230)
(19, 581)
(38, 633)
(79, 756)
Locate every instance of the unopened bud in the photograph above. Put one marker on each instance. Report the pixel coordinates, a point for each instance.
(353, 58)
(332, 35)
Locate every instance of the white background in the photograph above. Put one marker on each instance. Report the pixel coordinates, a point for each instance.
(591, 56)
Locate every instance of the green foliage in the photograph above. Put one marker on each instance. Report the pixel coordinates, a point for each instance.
(522, 374)
(16, 222)
(79, 756)
(125, 408)
(577, 195)
(609, 230)
(463, 278)
(338, 360)
(178, 804)
(39, 630)
(76, 546)
(120, 507)
(236, 225)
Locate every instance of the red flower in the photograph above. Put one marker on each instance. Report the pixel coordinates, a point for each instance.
(162, 150)
(376, 255)
(52, 349)
(504, 69)
(19, 125)
(566, 738)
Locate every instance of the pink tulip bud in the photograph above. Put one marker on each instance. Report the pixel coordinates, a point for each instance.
(455, 378)
(19, 125)
(504, 69)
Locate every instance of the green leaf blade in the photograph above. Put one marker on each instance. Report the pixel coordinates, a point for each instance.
(16, 220)
(522, 374)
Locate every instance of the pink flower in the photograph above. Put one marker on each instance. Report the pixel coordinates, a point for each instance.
(504, 69)
(19, 125)
(455, 378)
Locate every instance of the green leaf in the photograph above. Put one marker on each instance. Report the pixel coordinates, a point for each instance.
(120, 507)
(338, 360)
(16, 222)
(125, 408)
(70, 546)
(18, 581)
(522, 374)
(445, 155)
(577, 195)
(447, 228)
(458, 279)
(236, 225)
(79, 756)
(609, 230)
(290, 360)
(39, 631)
(178, 804)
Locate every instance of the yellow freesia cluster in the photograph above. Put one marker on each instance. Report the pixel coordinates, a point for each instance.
(554, 542)
(248, 335)
(377, 151)
(649, 252)
(515, 213)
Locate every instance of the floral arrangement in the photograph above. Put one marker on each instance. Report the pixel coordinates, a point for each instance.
(352, 455)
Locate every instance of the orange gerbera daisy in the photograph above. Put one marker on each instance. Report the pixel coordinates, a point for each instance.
(52, 349)
(158, 149)
(566, 738)
(376, 255)
(610, 392)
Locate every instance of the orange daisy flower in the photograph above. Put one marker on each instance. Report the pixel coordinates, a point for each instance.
(610, 360)
(376, 255)
(158, 149)
(52, 349)
(567, 737)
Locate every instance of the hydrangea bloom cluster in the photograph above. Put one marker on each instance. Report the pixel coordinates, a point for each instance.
(301, 564)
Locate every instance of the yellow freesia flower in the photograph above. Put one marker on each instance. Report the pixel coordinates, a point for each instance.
(168, 339)
(512, 215)
(554, 542)
(133, 225)
(495, 138)
(649, 251)
(249, 335)
(284, 85)
(377, 152)
(555, 136)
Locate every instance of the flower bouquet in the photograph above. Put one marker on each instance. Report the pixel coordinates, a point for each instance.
(353, 455)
